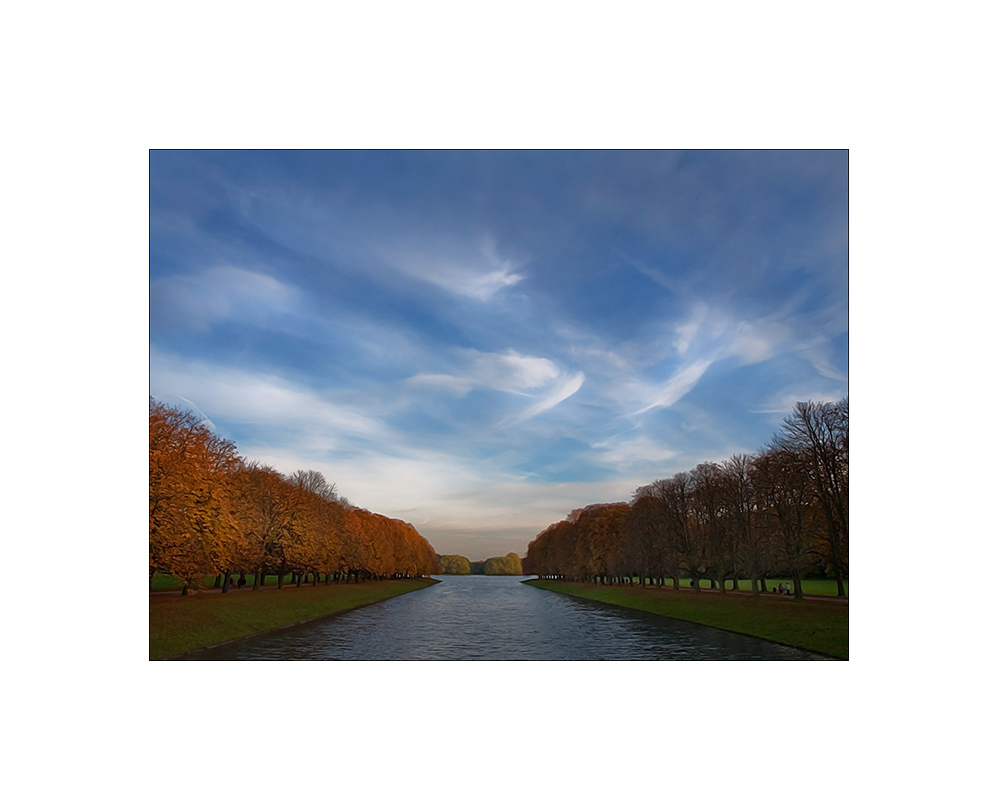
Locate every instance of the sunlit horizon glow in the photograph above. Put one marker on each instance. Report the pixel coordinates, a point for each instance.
(480, 342)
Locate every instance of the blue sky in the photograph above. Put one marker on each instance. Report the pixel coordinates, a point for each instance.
(479, 342)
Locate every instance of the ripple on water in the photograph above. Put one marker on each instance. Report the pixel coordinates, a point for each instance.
(497, 618)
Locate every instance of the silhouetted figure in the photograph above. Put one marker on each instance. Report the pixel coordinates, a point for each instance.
(242, 581)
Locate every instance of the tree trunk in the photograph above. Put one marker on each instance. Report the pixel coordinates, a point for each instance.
(763, 584)
(754, 584)
(258, 578)
(225, 582)
(218, 581)
(280, 575)
(796, 579)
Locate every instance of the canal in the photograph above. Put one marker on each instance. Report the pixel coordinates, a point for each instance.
(498, 618)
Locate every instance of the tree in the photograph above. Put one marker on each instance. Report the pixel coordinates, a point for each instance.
(508, 564)
(710, 520)
(786, 512)
(817, 436)
(739, 496)
(454, 564)
(658, 525)
(192, 526)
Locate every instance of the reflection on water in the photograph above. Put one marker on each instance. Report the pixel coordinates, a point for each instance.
(492, 618)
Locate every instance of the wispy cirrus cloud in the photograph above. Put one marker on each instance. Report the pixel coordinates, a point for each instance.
(562, 392)
(198, 300)
(507, 371)
(271, 403)
(473, 273)
(678, 385)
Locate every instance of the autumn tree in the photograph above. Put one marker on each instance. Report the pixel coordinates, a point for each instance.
(212, 512)
(454, 564)
(508, 564)
(192, 527)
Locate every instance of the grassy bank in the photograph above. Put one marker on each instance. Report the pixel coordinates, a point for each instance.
(822, 627)
(181, 624)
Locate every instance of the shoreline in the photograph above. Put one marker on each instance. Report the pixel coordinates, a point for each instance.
(208, 617)
(794, 619)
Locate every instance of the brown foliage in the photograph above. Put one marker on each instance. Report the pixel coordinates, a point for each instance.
(777, 513)
(212, 512)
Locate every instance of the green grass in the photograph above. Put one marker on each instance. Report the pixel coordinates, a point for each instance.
(812, 625)
(167, 582)
(181, 624)
(815, 588)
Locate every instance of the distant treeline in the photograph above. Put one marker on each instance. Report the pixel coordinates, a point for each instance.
(458, 564)
(783, 512)
(213, 513)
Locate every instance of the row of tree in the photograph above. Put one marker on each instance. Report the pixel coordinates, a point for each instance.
(212, 512)
(783, 512)
(459, 564)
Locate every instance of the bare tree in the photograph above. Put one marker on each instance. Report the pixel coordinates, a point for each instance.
(817, 434)
(785, 500)
(314, 482)
(746, 541)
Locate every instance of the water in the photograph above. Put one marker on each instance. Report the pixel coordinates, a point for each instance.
(497, 618)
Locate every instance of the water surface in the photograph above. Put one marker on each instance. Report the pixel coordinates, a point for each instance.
(498, 618)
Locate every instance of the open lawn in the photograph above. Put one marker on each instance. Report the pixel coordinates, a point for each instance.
(181, 624)
(819, 626)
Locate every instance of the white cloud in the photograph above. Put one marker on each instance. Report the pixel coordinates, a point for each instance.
(223, 293)
(502, 371)
(476, 275)
(817, 353)
(511, 371)
(783, 402)
(562, 392)
(678, 385)
(628, 454)
(266, 400)
(757, 341)
(686, 331)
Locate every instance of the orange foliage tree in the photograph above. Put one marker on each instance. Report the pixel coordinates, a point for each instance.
(211, 512)
(192, 526)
